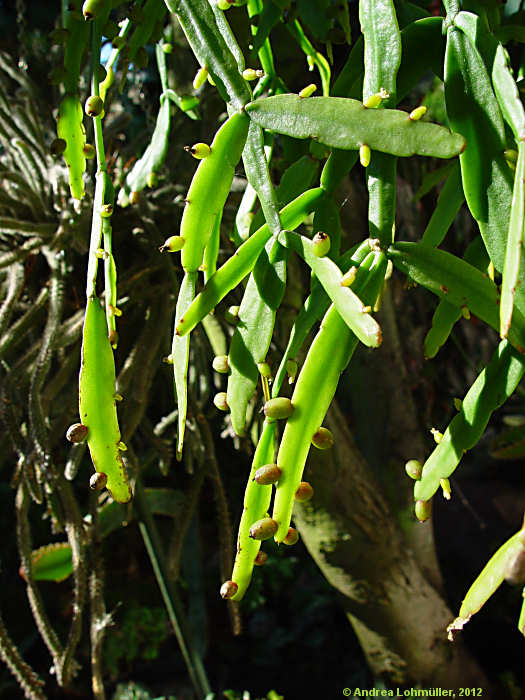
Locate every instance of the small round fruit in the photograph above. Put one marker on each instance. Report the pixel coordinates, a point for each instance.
(91, 9)
(278, 408)
(58, 146)
(321, 244)
(220, 401)
(423, 510)
(198, 150)
(323, 439)
(94, 106)
(228, 589)
(292, 537)
(77, 432)
(172, 244)
(263, 529)
(304, 492)
(268, 474)
(98, 481)
(261, 558)
(414, 468)
(89, 151)
(220, 364)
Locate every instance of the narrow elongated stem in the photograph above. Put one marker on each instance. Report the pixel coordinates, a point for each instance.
(153, 544)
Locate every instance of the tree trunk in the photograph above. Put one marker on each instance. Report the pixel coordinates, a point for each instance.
(351, 533)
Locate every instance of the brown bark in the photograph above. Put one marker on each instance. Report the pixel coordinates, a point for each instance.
(361, 530)
(351, 533)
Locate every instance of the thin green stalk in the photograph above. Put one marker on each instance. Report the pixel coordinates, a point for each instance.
(153, 544)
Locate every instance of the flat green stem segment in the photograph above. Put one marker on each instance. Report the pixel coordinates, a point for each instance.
(348, 304)
(423, 49)
(344, 123)
(329, 354)
(256, 167)
(487, 583)
(473, 111)
(494, 57)
(70, 127)
(511, 268)
(446, 314)
(444, 319)
(76, 43)
(102, 186)
(97, 404)
(256, 504)
(155, 152)
(242, 262)
(382, 59)
(448, 205)
(313, 309)
(338, 165)
(180, 351)
(456, 281)
(228, 36)
(211, 50)
(490, 390)
(382, 47)
(381, 181)
(52, 562)
(253, 333)
(211, 252)
(209, 189)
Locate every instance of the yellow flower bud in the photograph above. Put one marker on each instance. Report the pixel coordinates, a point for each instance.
(308, 90)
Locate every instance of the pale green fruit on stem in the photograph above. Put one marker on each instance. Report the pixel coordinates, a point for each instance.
(94, 106)
(308, 91)
(77, 433)
(423, 510)
(278, 408)
(304, 492)
(220, 364)
(261, 558)
(98, 481)
(414, 468)
(263, 529)
(292, 537)
(267, 474)
(220, 401)
(228, 589)
(321, 244)
(172, 244)
(323, 439)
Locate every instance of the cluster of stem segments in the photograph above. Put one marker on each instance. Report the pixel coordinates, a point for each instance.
(348, 121)
(353, 119)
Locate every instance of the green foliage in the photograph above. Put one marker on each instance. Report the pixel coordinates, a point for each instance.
(141, 632)
(59, 218)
